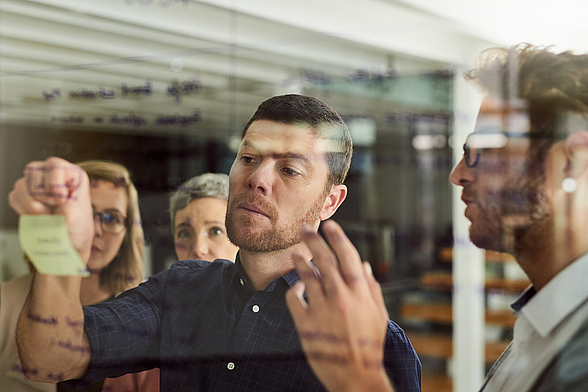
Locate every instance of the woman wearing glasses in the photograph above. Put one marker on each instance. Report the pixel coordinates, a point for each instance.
(115, 265)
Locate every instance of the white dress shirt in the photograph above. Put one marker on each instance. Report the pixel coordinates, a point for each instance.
(546, 321)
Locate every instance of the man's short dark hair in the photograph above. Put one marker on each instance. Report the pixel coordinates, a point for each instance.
(322, 120)
(552, 86)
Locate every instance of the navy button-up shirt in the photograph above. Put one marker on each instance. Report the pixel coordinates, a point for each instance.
(208, 331)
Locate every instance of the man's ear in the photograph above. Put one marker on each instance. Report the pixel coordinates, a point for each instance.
(576, 150)
(333, 201)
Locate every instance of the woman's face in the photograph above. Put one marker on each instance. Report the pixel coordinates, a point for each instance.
(111, 199)
(200, 231)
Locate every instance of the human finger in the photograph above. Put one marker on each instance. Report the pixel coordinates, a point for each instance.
(324, 259)
(296, 303)
(22, 203)
(375, 289)
(51, 181)
(348, 256)
(308, 276)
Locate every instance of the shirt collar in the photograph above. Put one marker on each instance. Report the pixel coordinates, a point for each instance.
(240, 278)
(547, 308)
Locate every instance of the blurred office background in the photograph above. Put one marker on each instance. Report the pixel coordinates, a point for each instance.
(165, 87)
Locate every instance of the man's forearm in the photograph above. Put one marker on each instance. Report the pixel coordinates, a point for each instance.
(50, 335)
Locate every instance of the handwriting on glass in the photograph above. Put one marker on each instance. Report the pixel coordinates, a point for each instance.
(56, 376)
(37, 185)
(85, 94)
(24, 370)
(312, 337)
(187, 87)
(68, 345)
(52, 94)
(42, 320)
(183, 121)
(131, 120)
(136, 90)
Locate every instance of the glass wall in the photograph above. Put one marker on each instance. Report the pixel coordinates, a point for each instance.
(165, 88)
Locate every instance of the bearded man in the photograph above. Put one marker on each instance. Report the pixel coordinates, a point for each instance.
(209, 326)
(524, 176)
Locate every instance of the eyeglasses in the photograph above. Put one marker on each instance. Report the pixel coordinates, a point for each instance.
(493, 129)
(112, 223)
(476, 142)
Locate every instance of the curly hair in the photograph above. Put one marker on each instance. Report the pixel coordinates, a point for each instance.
(553, 87)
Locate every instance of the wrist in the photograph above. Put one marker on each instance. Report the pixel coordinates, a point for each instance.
(374, 382)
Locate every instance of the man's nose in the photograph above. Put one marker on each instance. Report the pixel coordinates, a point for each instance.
(261, 178)
(461, 175)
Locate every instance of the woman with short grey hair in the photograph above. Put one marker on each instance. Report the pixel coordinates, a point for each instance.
(197, 215)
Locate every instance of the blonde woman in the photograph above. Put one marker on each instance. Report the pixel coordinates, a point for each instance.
(115, 265)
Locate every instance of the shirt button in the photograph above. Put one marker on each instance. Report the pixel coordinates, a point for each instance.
(241, 281)
(255, 308)
(230, 365)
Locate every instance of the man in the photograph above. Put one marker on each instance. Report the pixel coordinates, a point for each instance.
(524, 176)
(209, 326)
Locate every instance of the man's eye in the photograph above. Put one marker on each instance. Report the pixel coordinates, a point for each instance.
(289, 171)
(247, 159)
(216, 231)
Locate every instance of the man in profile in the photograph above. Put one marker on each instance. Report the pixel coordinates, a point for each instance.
(217, 326)
(524, 176)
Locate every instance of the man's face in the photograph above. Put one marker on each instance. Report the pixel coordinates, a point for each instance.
(276, 184)
(502, 190)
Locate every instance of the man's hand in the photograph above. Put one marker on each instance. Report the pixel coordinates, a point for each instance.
(57, 187)
(342, 324)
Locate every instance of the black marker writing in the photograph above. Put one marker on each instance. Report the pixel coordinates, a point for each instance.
(184, 121)
(68, 120)
(84, 94)
(137, 90)
(313, 336)
(68, 345)
(24, 370)
(51, 95)
(51, 254)
(51, 240)
(177, 89)
(131, 119)
(56, 376)
(331, 358)
(73, 324)
(38, 319)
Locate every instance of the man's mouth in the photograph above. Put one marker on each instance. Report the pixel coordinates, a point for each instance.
(252, 209)
(468, 202)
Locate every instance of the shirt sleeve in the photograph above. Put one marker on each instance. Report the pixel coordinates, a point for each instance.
(401, 361)
(124, 333)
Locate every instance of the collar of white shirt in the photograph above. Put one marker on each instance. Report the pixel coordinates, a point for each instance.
(563, 294)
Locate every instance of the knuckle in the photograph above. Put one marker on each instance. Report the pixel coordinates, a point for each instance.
(56, 160)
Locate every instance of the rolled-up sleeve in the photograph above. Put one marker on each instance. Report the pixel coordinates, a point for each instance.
(124, 333)
(401, 361)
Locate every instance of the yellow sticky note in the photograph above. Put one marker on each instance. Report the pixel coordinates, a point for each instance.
(44, 238)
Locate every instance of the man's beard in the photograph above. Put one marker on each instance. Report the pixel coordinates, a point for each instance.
(278, 236)
(510, 215)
